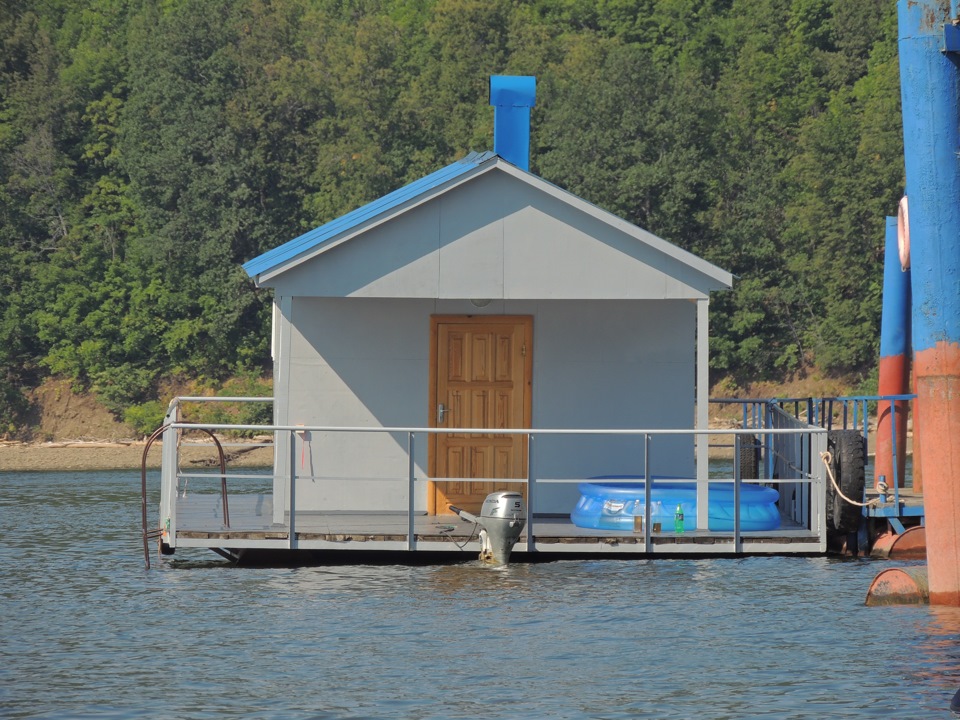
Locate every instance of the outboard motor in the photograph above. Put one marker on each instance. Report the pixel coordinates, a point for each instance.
(501, 521)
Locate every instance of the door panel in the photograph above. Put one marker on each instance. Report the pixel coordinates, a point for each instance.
(480, 373)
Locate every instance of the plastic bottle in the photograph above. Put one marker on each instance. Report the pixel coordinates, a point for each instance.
(656, 516)
(678, 519)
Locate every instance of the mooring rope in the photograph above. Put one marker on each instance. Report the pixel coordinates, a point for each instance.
(827, 459)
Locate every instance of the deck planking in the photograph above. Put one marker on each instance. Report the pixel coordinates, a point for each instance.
(200, 524)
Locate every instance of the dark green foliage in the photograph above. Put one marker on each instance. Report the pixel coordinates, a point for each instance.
(148, 148)
(13, 406)
(144, 418)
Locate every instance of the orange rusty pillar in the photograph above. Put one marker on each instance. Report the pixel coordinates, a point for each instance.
(917, 440)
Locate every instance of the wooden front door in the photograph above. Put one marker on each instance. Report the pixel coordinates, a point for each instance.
(479, 378)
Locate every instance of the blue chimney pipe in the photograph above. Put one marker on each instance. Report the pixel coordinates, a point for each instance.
(512, 96)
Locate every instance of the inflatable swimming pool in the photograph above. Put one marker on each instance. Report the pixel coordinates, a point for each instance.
(613, 505)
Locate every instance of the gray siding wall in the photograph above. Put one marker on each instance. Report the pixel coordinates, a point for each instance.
(364, 362)
(495, 238)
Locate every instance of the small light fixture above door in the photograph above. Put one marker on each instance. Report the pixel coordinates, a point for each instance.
(480, 302)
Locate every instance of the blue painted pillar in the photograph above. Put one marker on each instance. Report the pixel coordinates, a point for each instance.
(930, 94)
(894, 368)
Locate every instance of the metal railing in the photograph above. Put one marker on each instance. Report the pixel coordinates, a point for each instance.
(171, 433)
(801, 472)
(855, 410)
(854, 413)
(789, 432)
(840, 412)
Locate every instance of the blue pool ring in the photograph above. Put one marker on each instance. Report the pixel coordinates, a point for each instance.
(613, 505)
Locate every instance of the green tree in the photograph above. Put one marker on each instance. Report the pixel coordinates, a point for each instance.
(149, 147)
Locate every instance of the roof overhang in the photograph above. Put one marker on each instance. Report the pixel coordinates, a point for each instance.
(269, 266)
(336, 232)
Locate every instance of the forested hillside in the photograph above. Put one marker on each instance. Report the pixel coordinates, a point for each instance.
(149, 147)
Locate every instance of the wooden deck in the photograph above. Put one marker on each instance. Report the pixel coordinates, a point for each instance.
(200, 524)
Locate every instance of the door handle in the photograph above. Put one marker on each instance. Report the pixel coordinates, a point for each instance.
(441, 412)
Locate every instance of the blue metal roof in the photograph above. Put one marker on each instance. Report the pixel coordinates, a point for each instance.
(311, 239)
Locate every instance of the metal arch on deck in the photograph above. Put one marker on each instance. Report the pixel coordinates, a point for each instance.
(159, 532)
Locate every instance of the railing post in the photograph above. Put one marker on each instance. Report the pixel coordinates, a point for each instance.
(896, 464)
(821, 490)
(411, 467)
(170, 480)
(647, 491)
(802, 487)
(893, 442)
(531, 486)
(702, 485)
(291, 492)
(769, 442)
(737, 544)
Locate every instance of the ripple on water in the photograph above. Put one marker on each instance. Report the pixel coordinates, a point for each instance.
(88, 633)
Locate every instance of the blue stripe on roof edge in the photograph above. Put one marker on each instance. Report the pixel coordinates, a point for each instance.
(318, 235)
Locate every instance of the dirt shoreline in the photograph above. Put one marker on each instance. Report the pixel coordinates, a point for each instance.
(92, 456)
(82, 435)
(59, 456)
(127, 455)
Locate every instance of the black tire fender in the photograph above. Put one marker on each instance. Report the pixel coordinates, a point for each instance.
(847, 462)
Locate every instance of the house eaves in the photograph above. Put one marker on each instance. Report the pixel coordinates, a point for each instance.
(363, 218)
(722, 278)
(356, 222)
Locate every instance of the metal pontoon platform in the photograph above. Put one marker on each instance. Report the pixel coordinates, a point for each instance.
(447, 533)
(201, 526)
(236, 513)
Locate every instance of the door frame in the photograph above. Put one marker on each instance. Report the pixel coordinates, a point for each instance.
(435, 322)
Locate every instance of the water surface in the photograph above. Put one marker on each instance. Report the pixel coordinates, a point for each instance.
(88, 633)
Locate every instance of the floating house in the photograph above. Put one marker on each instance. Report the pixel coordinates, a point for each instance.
(483, 296)
(485, 299)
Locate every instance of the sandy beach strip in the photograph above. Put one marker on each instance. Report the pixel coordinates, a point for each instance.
(66, 456)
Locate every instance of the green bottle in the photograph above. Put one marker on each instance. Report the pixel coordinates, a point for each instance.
(678, 519)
